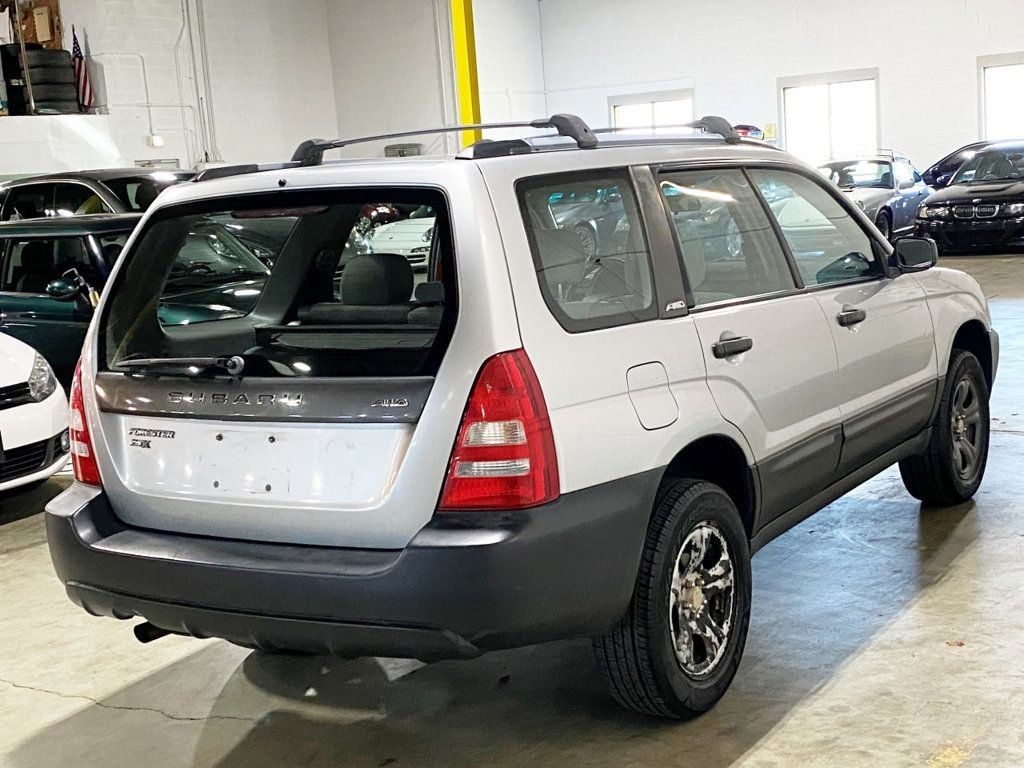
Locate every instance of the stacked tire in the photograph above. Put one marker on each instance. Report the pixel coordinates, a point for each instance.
(52, 75)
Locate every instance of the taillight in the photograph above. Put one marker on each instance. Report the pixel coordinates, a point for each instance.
(504, 456)
(83, 457)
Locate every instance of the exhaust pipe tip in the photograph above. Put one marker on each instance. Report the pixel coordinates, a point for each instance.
(147, 633)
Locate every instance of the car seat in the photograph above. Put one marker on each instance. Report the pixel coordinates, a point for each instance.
(36, 267)
(375, 288)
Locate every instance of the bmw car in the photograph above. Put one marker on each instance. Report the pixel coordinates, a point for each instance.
(983, 206)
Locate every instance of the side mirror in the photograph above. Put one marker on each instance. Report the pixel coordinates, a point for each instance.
(916, 254)
(63, 289)
(942, 181)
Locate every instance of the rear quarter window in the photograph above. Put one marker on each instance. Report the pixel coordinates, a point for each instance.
(589, 249)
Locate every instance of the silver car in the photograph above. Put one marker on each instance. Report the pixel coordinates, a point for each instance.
(886, 187)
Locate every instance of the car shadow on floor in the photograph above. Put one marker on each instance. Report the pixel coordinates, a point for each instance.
(821, 592)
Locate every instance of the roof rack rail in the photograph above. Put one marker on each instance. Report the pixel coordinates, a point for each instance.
(708, 124)
(311, 152)
(224, 171)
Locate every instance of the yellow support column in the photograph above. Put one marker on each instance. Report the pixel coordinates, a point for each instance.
(464, 50)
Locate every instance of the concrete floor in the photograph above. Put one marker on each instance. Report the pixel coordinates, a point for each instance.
(882, 635)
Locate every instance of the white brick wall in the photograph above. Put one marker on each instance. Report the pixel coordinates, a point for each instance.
(733, 51)
(269, 64)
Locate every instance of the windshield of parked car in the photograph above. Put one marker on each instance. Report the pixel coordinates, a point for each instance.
(137, 193)
(992, 165)
(859, 174)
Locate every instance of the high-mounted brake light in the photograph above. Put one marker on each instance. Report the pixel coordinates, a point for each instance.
(83, 457)
(504, 455)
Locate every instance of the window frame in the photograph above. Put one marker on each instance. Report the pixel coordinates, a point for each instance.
(829, 78)
(585, 325)
(95, 190)
(992, 62)
(883, 250)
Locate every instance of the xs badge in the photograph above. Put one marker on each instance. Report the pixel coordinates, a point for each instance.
(390, 402)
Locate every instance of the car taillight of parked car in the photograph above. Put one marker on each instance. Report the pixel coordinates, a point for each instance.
(83, 457)
(504, 456)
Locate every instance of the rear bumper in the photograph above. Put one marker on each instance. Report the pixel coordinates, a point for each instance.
(974, 234)
(467, 583)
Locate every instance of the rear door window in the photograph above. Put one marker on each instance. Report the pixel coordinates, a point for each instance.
(32, 201)
(32, 264)
(728, 248)
(589, 248)
(336, 298)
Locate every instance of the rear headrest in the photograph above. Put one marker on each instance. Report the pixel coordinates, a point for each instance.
(561, 255)
(376, 279)
(430, 293)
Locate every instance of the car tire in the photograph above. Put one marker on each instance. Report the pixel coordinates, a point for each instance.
(55, 92)
(47, 58)
(588, 240)
(951, 468)
(884, 224)
(52, 76)
(656, 660)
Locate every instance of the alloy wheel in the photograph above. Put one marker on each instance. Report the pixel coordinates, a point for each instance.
(964, 428)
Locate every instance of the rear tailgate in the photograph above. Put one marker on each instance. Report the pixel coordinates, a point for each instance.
(335, 432)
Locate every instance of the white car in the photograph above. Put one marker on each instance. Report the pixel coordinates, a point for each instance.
(409, 237)
(540, 440)
(33, 417)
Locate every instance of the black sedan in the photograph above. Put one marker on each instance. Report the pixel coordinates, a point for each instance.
(983, 206)
(113, 190)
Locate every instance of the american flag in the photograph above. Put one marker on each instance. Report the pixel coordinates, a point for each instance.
(81, 73)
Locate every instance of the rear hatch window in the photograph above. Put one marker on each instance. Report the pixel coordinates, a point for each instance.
(298, 285)
(270, 358)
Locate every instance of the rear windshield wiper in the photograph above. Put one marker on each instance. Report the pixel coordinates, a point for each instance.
(188, 365)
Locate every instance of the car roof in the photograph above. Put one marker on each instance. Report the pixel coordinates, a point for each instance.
(1006, 146)
(100, 174)
(71, 226)
(437, 170)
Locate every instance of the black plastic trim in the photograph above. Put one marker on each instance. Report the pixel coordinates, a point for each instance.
(468, 582)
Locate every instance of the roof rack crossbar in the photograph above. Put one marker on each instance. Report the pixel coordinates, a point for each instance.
(311, 152)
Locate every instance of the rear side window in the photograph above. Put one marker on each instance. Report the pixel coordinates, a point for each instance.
(333, 294)
(32, 264)
(728, 248)
(589, 249)
(33, 201)
(827, 244)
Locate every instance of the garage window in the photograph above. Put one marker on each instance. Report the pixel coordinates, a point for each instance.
(830, 116)
(652, 111)
(1002, 83)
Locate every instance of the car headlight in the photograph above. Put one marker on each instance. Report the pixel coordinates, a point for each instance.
(1015, 209)
(935, 212)
(41, 382)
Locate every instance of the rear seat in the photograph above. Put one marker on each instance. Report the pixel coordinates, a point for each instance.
(430, 301)
(375, 290)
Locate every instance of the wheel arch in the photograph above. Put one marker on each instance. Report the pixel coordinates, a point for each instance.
(721, 460)
(972, 337)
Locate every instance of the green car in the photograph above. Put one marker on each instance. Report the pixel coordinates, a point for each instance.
(54, 268)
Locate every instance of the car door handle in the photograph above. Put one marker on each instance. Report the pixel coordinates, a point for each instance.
(730, 344)
(851, 316)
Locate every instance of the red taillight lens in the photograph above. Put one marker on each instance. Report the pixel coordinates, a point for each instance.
(504, 456)
(83, 457)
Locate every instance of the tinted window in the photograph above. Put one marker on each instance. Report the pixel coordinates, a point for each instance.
(33, 201)
(339, 300)
(77, 200)
(137, 193)
(728, 247)
(32, 264)
(588, 248)
(827, 244)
